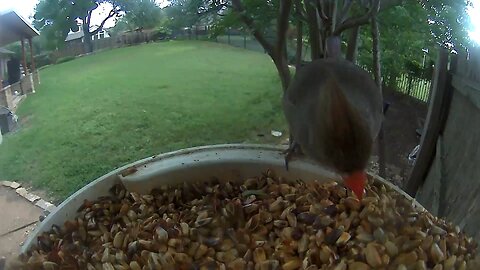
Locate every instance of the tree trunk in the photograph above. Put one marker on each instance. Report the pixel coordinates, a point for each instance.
(377, 72)
(314, 33)
(87, 39)
(283, 71)
(352, 47)
(278, 51)
(298, 54)
(333, 47)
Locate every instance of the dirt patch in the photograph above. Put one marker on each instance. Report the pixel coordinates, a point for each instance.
(400, 126)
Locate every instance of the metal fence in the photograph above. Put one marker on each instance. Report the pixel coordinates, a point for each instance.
(243, 40)
(246, 42)
(406, 84)
(409, 85)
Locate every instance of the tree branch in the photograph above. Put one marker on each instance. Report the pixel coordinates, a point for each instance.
(89, 17)
(313, 31)
(301, 12)
(112, 13)
(352, 46)
(280, 52)
(321, 10)
(217, 9)
(282, 27)
(345, 10)
(240, 9)
(377, 72)
(299, 46)
(360, 20)
(334, 15)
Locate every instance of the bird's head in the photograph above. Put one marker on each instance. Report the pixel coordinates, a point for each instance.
(356, 181)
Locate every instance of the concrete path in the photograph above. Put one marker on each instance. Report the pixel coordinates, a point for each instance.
(19, 213)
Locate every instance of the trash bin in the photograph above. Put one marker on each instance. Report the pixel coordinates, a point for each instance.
(7, 120)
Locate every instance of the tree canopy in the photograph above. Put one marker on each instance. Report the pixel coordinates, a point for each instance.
(404, 34)
(406, 27)
(142, 14)
(410, 34)
(56, 18)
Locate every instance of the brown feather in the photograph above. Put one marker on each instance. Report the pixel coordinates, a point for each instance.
(334, 111)
(348, 140)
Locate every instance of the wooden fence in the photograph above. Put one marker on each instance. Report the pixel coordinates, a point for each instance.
(126, 39)
(413, 86)
(446, 175)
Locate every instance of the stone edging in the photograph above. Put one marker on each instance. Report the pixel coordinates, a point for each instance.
(32, 198)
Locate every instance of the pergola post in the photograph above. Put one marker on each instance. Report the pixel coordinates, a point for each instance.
(34, 73)
(24, 58)
(32, 59)
(14, 28)
(1, 73)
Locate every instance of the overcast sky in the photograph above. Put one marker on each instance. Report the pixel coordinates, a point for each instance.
(475, 17)
(26, 9)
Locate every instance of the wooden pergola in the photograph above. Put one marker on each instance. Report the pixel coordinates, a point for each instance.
(14, 28)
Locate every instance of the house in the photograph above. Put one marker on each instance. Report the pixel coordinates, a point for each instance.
(78, 37)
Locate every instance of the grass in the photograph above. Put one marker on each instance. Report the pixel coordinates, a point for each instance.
(99, 112)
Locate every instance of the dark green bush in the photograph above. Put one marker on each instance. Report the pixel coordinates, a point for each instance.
(43, 60)
(161, 33)
(65, 59)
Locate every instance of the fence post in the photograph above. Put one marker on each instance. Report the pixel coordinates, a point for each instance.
(425, 92)
(228, 31)
(440, 92)
(244, 41)
(409, 89)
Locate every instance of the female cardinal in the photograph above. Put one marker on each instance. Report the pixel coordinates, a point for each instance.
(334, 111)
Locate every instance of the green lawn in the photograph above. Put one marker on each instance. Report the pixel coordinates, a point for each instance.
(99, 112)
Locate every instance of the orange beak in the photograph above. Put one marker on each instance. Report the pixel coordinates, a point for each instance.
(356, 182)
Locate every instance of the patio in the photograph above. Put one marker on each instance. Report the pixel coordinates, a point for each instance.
(14, 28)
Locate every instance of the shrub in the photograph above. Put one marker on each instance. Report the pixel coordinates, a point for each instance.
(161, 33)
(43, 60)
(65, 59)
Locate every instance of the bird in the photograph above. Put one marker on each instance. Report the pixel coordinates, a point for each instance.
(334, 111)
